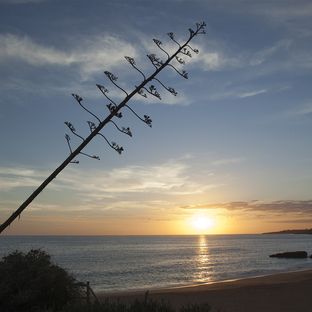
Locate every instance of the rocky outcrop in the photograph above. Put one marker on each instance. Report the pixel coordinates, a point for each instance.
(291, 255)
(302, 231)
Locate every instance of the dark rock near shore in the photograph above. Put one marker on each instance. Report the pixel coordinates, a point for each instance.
(291, 255)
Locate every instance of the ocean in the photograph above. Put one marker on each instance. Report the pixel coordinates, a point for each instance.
(121, 263)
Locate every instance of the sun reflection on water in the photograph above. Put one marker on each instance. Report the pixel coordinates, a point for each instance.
(203, 273)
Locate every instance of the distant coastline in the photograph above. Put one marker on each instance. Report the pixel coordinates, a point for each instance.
(304, 231)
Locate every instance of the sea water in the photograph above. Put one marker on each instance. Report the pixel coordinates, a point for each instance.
(118, 263)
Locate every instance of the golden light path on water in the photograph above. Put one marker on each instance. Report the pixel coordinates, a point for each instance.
(202, 273)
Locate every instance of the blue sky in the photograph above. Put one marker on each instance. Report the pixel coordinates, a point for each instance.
(235, 144)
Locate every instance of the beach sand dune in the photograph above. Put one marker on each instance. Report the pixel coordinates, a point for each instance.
(275, 293)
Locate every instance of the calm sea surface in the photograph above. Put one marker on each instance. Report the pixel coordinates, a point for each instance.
(113, 263)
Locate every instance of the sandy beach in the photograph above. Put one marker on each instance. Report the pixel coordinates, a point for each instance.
(279, 292)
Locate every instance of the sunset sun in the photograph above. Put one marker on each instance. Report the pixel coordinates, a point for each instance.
(201, 223)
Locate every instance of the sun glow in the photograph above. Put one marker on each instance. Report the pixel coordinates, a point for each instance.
(202, 223)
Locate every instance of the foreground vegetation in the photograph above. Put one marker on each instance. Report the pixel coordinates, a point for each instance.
(30, 282)
(136, 306)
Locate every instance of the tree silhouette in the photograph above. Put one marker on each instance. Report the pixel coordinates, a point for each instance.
(144, 89)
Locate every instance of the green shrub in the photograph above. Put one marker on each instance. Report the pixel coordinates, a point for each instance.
(30, 282)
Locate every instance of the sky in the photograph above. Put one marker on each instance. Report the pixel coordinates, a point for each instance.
(231, 153)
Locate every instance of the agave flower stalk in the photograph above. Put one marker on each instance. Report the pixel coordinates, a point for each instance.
(159, 66)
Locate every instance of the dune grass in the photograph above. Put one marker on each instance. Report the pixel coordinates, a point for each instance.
(136, 306)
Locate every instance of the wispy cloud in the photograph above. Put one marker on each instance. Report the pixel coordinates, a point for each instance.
(275, 207)
(21, 1)
(252, 93)
(301, 111)
(145, 182)
(89, 55)
(297, 111)
(88, 58)
(169, 178)
(266, 53)
(213, 58)
(228, 161)
(293, 221)
(11, 178)
(297, 9)
(216, 56)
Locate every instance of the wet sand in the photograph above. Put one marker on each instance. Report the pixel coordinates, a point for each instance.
(274, 293)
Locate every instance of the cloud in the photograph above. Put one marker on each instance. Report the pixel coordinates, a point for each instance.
(304, 110)
(276, 207)
(25, 49)
(252, 93)
(21, 1)
(293, 221)
(89, 55)
(291, 10)
(227, 161)
(146, 190)
(12, 178)
(213, 58)
(299, 111)
(20, 172)
(216, 57)
(126, 183)
(88, 58)
(263, 55)
(169, 178)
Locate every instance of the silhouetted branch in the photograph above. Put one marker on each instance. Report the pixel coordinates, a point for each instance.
(92, 125)
(113, 145)
(200, 28)
(183, 74)
(114, 110)
(141, 92)
(104, 91)
(186, 52)
(152, 90)
(133, 64)
(123, 129)
(79, 100)
(73, 130)
(192, 32)
(90, 156)
(155, 60)
(180, 60)
(159, 43)
(171, 36)
(67, 137)
(194, 50)
(146, 118)
(114, 78)
(171, 90)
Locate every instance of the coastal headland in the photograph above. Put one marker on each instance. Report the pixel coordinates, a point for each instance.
(273, 293)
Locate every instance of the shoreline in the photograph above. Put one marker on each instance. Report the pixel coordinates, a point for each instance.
(190, 285)
(286, 291)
